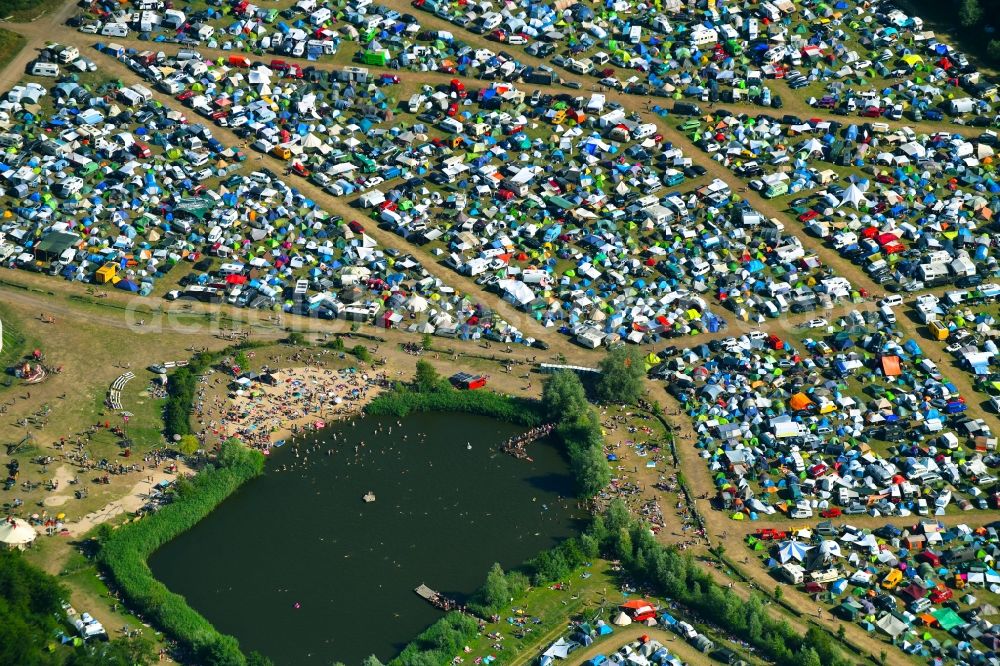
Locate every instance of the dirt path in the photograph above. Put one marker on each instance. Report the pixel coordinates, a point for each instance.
(130, 503)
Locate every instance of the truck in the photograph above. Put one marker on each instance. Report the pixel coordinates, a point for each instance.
(938, 330)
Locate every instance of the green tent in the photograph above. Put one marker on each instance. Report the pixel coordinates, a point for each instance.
(947, 618)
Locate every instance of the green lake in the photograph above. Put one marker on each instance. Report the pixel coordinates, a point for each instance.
(297, 566)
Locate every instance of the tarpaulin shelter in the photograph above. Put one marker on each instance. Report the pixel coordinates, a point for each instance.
(890, 366)
(947, 618)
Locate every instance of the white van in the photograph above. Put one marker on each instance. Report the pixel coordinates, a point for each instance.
(888, 316)
(891, 300)
(45, 69)
(491, 21)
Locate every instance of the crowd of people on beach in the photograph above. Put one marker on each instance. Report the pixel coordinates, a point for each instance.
(305, 397)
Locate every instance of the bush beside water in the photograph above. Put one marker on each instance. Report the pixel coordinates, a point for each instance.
(123, 553)
(399, 403)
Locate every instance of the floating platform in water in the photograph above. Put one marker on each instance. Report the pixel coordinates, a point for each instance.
(368, 497)
(436, 599)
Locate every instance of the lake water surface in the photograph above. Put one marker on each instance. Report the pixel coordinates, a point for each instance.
(302, 535)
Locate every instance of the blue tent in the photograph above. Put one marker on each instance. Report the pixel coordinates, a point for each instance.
(127, 285)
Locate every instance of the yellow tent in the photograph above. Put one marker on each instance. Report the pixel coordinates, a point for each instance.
(912, 59)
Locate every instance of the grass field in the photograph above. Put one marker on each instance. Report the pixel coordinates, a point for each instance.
(11, 44)
(22, 11)
(88, 591)
(13, 348)
(541, 616)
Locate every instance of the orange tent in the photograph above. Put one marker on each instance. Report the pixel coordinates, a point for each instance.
(635, 604)
(800, 401)
(890, 366)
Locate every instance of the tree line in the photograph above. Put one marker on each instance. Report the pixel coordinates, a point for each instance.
(677, 576)
(31, 617)
(672, 574)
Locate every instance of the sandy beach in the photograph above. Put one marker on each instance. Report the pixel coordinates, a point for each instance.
(299, 399)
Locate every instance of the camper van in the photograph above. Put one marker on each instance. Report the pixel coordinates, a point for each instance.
(45, 69)
(115, 30)
(301, 287)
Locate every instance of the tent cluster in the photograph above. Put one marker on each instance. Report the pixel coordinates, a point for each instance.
(118, 196)
(917, 585)
(644, 651)
(857, 421)
(963, 319)
(923, 207)
(728, 53)
(558, 246)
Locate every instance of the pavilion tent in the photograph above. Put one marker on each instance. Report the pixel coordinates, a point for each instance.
(16, 533)
(891, 625)
(792, 550)
(622, 620)
(853, 197)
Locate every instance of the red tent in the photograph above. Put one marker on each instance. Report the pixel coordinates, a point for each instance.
(236, 279)
(639, 609)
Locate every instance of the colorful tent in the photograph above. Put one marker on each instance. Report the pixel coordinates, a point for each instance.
(800, 401)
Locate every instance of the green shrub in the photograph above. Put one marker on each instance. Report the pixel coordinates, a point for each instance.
(124, 552)
(483, 403)
(440, 642)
